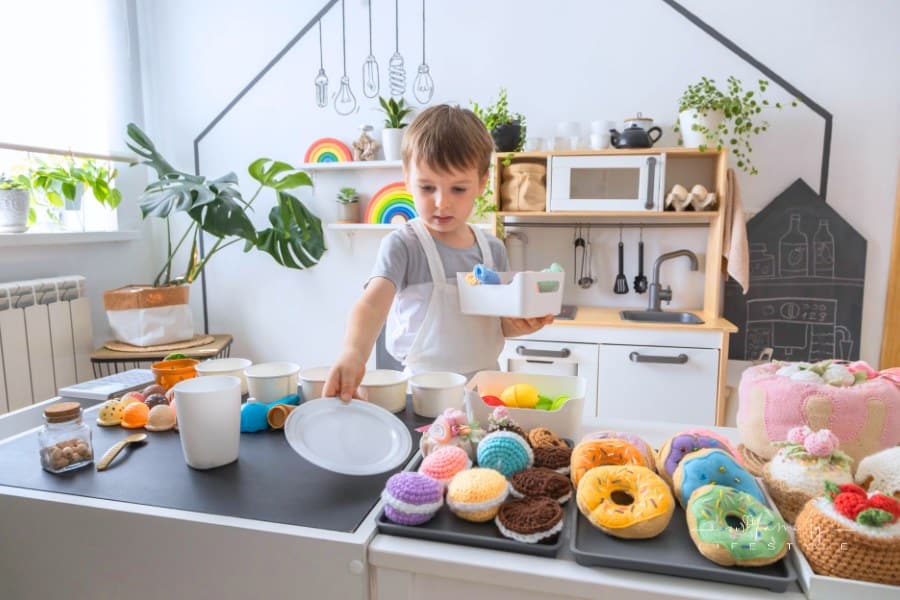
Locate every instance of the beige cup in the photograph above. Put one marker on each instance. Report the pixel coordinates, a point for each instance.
(268, 382)
(386, 388)
(225, 366)
(312, 380)
(436, 391)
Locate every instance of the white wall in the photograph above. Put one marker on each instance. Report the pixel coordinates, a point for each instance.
(568, 61)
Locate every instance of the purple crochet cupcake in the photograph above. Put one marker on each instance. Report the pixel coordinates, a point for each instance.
(411, 498)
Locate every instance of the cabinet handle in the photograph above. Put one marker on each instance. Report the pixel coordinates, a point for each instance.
(523, 351)
(649, 358)
(651, 177)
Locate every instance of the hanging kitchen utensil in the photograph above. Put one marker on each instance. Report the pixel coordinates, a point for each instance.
(396, 72)
(321, 78)
(578, 243)
(587, 269)
(423, 86)
(371, 80)
(621, 286)
(640, 280)
(344, 100)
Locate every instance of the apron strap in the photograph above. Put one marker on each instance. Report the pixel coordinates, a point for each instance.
(435, 266)
(487, 257)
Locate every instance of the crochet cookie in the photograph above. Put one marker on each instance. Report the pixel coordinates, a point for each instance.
(476, 494)
(541, 437)
(506, 452)
(539, 481)
(411, 498)
(444, 463)
(530, 520)
(554, 457)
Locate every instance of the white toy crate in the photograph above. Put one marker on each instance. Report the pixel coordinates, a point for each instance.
(564, 422)
(523, 294)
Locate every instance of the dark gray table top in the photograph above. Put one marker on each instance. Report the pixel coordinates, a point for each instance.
(268, 482)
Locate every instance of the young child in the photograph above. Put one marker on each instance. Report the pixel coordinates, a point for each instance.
(446, 155)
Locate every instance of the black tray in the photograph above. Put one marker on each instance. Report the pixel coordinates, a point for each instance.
(447, 527)
(672, 552)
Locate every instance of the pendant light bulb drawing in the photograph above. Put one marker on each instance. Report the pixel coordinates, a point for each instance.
(371, 83)
(344, 100)
(396, 71)
(423, 85)
(321, 78)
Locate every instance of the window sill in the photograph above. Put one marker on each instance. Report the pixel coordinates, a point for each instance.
(19, 240)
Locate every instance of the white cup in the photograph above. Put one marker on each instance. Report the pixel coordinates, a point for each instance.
(599, 141)
(209, 420)
(434, 392)
(312, 381)
(225, 366)
(386, 388)
(268, 382)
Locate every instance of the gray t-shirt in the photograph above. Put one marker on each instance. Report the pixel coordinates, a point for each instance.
(401, 258)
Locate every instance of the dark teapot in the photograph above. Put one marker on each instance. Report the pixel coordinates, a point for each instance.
(634, 137)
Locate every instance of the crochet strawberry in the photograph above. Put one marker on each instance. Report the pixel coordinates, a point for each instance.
(850, 505)
(832, 490)
(885, 503)
(854, 503)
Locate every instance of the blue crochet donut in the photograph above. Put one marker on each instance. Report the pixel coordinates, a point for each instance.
(506, 452)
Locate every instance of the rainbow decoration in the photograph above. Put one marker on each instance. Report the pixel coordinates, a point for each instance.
(391, 204)
(327, 150)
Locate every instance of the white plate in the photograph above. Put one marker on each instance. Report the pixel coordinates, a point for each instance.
(358, 438)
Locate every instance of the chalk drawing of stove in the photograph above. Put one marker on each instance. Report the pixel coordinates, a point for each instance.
(800, 328)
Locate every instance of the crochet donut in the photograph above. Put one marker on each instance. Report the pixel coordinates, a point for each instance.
(731, 527)
(712, 466)
(681, 444)
(596, 453)
(628, 501)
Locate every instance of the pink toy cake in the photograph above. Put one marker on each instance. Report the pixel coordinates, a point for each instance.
(798, 472)
(859, 405)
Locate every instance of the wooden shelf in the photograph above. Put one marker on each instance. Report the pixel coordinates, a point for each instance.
(352, 165)
(614, 218)
(677, 151)
(348, 227)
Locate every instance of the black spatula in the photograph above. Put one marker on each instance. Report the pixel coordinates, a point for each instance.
(621, 286)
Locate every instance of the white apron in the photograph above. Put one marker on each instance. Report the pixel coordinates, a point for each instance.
(448, 340)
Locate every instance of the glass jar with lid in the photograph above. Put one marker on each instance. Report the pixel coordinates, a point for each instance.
(64, 439)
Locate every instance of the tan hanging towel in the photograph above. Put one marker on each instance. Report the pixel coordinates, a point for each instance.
(735, 248)
(523, 187)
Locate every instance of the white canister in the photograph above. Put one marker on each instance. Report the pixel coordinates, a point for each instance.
(209, 420)
(268, 382)
(225, 366)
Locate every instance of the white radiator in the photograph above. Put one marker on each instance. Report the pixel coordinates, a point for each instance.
(45, 339)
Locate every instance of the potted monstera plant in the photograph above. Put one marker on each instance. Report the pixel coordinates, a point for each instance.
(157, 313)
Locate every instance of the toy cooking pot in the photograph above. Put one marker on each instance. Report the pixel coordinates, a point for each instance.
(634, 136)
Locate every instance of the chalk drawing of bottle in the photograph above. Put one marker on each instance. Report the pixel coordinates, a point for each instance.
(823, 251)
(793, 251)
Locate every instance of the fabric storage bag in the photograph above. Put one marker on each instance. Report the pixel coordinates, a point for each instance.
(524, 187)
(149, 316)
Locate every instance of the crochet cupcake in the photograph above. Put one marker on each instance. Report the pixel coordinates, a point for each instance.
(880, 472)
(530, 520)
(852, 534)
(505, 452)
(802, 466)
(554, 457)
(539, 481)
(451, 428)
(444, 463)
(501, 421)
(476, 494)
(411, 498)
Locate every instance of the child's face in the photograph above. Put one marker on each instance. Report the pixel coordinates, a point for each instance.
(444, 199)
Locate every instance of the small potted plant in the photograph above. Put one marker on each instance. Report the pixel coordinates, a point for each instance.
(392, 134)
(710, 117)
(60, 185)
(348, 205)
(15, 204)
(507, 129)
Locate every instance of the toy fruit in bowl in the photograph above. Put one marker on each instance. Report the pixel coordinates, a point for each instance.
(170, 372)
(520, 395)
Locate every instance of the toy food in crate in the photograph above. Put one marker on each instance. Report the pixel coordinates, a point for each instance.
(526, 294)
(555, 402)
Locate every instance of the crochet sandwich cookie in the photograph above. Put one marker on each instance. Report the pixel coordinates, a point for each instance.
(444, 463)
(476, 494)
(530, 520)
(554, 457)
(506, 452)
(412, 498)
(540, 481)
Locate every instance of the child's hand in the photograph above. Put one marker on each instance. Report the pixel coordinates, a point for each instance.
(345, 377)
(513, 327)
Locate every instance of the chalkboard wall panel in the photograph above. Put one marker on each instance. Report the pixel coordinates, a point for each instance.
(807, 270)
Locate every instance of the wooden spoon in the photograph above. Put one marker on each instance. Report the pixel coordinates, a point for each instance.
(107, 458)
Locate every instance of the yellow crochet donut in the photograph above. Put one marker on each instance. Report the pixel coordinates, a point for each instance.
(596, 453)
(628, 501)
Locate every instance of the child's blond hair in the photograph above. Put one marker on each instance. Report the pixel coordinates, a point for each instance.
(448, 138)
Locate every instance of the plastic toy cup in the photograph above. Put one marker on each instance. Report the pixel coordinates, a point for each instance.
(209, 420)
(170, 372)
